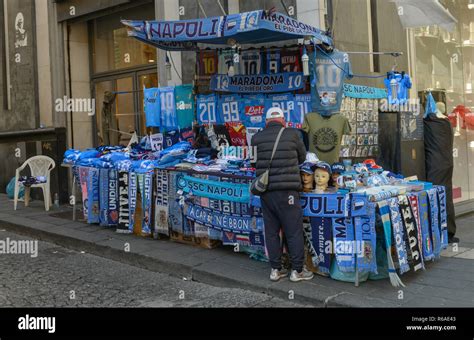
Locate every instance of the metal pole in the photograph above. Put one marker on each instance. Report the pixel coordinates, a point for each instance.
(7, 55)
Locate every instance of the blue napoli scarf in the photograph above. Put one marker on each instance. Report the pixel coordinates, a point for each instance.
(435, 230)
(443, 217)
(327, 205)
(222, 221)
(104, 197)
(113, 198)
(216, 190)
(93, 196)
(146, 186)
(132, 198)
(399, 235)
(344, 245)
(411, 228)
(321, 228)
(124, 204)
(425, 226)
(384, 209)
(161, 203)
(366, 238)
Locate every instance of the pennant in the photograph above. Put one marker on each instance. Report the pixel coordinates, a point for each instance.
(321, 228)
(161, 203)
(344, 245)
(411, 229)
(399, 235)
(443, 217)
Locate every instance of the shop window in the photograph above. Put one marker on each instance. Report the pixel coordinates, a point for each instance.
(113, 49)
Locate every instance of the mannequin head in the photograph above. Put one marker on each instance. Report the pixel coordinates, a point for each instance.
(322, 174)
(307, 176)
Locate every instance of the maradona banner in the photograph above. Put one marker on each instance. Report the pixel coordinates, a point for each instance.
(263, 83)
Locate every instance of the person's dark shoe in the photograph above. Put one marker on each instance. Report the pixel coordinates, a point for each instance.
(453, 239)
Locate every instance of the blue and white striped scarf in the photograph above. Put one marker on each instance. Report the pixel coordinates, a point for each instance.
(443, 217)
(434, 214)
(399, 235)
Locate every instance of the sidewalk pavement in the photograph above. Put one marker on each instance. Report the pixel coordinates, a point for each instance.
(448, 282)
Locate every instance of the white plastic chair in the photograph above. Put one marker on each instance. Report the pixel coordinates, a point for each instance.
(39, 166)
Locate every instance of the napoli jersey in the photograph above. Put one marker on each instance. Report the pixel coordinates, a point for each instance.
(251, 62)
(226, 60)
(302, 108)
(400, 82)
(273, 62)
(253, 111)
(228, 109)
(207, 109)
(286, 102)
(291, 60)
(329, 71)
(169, 119)
(152, 107)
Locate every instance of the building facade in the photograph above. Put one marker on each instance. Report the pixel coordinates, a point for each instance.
(77, 49)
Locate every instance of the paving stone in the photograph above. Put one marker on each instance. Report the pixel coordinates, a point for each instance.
(450, 251)
(466, 255)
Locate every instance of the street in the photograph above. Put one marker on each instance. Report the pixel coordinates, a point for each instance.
(60, 277)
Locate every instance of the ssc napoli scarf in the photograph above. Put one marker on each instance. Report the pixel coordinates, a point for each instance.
(146, 186)
(161, 203)
(413, 201)
(104, 197)
(222, 221)
(93, 196)
(443, 217)
(308, 240)
(321, 228)
(175, 212)
(124, 206)
(83, 179)
(423, 211)
(232, 192)
(113, 198)
(343, 240)
(409, 221)
(366, 240)
(384, 209)
(434, 213)
(399, 235)
(132, 198)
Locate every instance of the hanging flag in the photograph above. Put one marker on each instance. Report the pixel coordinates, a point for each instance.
(419, 13)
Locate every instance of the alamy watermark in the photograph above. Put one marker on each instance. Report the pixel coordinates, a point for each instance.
(238, 152)
(410, 105)
(19, 247)
(85, 105)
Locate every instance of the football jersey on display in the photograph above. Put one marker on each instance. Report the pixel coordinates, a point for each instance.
(286, 102)
(302, 106)
(330, 72)
(226, 58)
(169, 120)
(228, 109)
(152, 107)
(237, 134)
(207, 65)
(184, 105)
(291, 61)
(207, 109)
(251, 62)
(253, 111)
(171, 138)
(273, 62)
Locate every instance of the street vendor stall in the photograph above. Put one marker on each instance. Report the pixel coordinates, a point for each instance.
(190, 179)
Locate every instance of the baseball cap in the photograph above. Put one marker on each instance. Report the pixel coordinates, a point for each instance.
(323, 165)
(338, 168)
(275, 113)
(307, 167)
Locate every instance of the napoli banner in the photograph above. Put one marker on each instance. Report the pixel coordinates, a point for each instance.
(233, 192)
(264, 83)
(364, 92)
(329, 205)
(254, 27)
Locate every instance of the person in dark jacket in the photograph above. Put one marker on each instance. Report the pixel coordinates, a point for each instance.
(281, 204)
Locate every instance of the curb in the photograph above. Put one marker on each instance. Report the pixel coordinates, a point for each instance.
(177, 270)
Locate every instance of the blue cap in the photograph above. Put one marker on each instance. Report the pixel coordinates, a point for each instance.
(307, 167)
(338, 168)
(323, 165)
